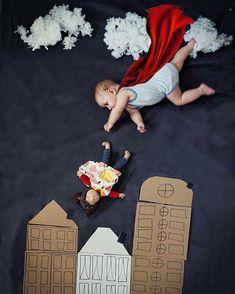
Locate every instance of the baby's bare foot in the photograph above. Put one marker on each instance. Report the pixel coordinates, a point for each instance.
(127, 154)
(106, 145)
(206, 90)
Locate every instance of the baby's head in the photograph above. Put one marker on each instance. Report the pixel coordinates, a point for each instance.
(106, 93)
(88, 200)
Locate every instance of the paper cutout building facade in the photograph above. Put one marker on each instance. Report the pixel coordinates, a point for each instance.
(104, 265)
(50, 257)
(161, 236)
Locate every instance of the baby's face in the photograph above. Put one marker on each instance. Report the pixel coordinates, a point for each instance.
(92, 197)
(107, 99)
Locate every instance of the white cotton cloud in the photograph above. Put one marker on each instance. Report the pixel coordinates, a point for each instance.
(127, 36)
(46, 31)
(206, 36)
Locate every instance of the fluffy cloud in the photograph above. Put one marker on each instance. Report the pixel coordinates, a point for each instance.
(127, 36)
(46, 31)
(206, 36)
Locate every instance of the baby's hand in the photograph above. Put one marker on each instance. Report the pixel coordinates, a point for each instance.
(141, 127)
(108, 127)
(121, 195)
(79, 173)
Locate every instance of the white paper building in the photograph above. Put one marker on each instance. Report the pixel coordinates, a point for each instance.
(104, 265)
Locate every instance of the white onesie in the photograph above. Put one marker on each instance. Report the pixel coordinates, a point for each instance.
(162, 83)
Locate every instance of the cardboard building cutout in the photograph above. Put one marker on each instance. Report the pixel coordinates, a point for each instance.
(104, 265)
(161, 236)
(50, 257)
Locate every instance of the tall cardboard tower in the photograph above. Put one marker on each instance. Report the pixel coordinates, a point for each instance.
(161, 236)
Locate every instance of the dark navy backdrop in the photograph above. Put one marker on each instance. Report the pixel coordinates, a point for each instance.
(49, 124)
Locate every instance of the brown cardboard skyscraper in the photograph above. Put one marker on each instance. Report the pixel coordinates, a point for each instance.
(161, 236)
(50, 257)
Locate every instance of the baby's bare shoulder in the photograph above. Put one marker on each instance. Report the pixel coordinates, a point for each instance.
(124, 92)
(122, 97)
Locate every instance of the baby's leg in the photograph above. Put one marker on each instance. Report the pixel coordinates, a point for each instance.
(182, 54)
(179, 98)
(107, 152)
(122, 161)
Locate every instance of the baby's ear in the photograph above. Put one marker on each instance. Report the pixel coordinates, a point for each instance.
(112, 90)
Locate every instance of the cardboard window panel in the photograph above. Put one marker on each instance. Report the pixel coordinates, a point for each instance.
(37, 272)
(63, 275)
(163, 233)
(51, 239)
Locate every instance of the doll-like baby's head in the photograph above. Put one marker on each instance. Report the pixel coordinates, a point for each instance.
(106, 93)
(88, 200)
(92, 197)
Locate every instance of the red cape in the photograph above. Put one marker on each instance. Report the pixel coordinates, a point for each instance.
(166, 28)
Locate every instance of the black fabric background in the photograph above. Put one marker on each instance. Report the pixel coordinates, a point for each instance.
(49, 124)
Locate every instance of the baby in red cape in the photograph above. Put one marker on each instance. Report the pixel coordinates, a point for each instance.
(154, 76)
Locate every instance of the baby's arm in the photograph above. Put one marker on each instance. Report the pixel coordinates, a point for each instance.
(137, 119)
(116, 112)
(114, 194)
